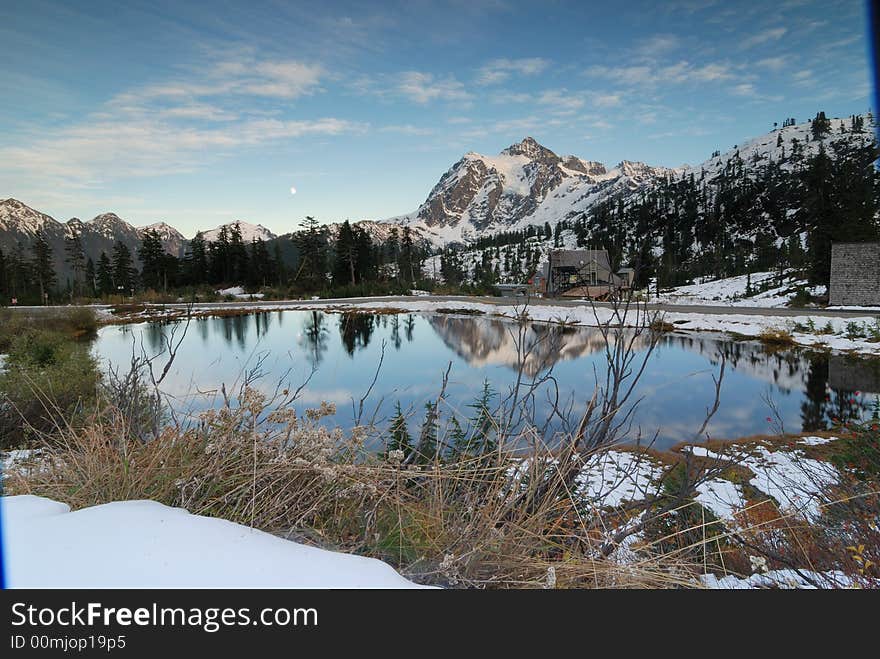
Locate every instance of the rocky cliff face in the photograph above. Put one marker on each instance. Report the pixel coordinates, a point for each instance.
(526, 183)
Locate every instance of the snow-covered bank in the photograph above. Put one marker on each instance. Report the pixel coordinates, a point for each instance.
(760, 289)
(144, 544)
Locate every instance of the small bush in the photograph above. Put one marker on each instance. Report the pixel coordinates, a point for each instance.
(855, 331)
(859, 451)
(661, 326)
(776, 337)
(48, 378)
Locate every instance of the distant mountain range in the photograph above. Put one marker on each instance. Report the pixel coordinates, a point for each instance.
(526, 184)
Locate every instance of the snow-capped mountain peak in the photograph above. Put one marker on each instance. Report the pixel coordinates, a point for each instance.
(526, 183)
(15, 215)
(530, 148)
(249, 232)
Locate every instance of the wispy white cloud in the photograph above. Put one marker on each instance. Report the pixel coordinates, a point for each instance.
(561, 100)
(659, 44)
(500, 70)
(406, 129)
(93, 153)
(504, 97)
(772, 34)
(773, 63)
(680, 72)
(748, 90)
(605, 100)
(283, 79)
(422, 88)
(177, 125)
(804, 78)
(744, 89)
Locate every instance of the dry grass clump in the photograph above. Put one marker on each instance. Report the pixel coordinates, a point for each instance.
(461, 524)
(776, 337)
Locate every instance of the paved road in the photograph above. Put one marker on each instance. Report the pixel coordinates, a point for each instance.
(451, 299)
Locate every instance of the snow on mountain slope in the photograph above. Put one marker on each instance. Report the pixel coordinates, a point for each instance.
(525, 184)
(249, 232)
(19, 217)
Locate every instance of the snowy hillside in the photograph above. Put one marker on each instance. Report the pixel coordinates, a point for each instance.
(760, 289)
(778, 146)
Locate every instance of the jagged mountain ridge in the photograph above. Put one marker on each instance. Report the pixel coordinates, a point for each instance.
(525, 184)
(528, 184)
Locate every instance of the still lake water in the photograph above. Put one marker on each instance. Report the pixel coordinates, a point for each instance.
(807, 389)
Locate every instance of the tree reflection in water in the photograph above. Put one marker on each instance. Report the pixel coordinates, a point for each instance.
(314, 337)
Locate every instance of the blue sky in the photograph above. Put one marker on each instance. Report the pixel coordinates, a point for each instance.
(200, 113)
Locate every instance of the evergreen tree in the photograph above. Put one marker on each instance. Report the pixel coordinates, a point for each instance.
(76, 258)
(220, 256)
(280, 269)
(346, 262)
(482, 438)
(124, 274)
(313, 259)
(4, 286)
(18, 273)
(105, 282)
(400, 437)
(151, 255)
(90, 282)
(196, 267)
(459, 441)
(426, 451)
(820, 126)
(392, 251)
(367, 263)
(41, 266)
(409, 265)
(238, 258)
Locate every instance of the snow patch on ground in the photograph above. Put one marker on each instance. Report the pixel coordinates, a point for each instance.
(721, 497)
(612, 477)
(787, 579)
(144, 544)
(20, 461)
(815, 441)
(239, 292)
(793, 479)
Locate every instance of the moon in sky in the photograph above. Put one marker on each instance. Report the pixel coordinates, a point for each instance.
(292, 190)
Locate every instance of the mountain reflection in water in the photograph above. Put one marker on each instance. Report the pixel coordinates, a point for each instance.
(341, 352)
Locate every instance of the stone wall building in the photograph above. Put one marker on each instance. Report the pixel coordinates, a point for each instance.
(855, 275)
